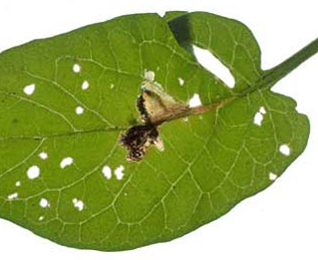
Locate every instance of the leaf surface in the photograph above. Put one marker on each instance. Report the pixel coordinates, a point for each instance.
(65, 102)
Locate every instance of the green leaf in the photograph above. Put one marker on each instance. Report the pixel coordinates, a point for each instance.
(67, 104)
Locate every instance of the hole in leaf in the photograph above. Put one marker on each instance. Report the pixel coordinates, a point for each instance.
(258, 118)
(13, 196)
(161, 13)
(119, 172)
(79, 110)
(33, 172)
(262, 110)
(76, 68)
(284, 149)
(29, 90)
(214, 65)
(41, 218)
(181, 81)
(195, 101)
(43, 155)
(44, 203)
(85, 85)
(78, 204)
(107, 172)
(18, 184)
(66, 162)
(272, 176)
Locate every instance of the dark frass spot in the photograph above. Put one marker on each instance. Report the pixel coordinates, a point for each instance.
(137, 139)
(141, 108)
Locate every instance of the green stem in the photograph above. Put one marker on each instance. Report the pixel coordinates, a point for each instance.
(278, 72)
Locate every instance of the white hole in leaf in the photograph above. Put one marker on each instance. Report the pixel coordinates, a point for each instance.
(79, 110)
(214, 65)
(119, 172)
(18, 184)
(43, 155)
(13, 196)
(262, 110)
(33, 172)
(66, 162)
(149, 75)
(85, 85)
(44, 203)
(284, 149)
(78, 204)
(195, 101)
(258, 118)
(107, 172)
(112, 86)
(76, 68)
(29, 90)
(41, 218)
(272, 176)
(181, 81)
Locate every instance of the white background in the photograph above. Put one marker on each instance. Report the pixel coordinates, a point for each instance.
(279, 223)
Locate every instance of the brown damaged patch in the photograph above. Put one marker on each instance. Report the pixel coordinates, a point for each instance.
(137, 139)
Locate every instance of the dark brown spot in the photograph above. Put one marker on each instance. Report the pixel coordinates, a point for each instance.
(137, 139)
(141, 108)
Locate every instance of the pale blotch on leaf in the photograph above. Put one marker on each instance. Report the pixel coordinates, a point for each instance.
(33, 172)
(76, 68)
(13, 196)
(112, 86)
(149, 75)
(44, 203)
(79, 110)
(41, 218)
(18, 184)
(78, 204)
(66, 162)
(272, 176)
(43, 155)
(158, 142)
(119, 172)
(107, 172)
(29, 90)
(284, 149)
(195, 101)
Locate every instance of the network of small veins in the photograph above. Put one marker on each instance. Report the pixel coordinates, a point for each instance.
(34, 171)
